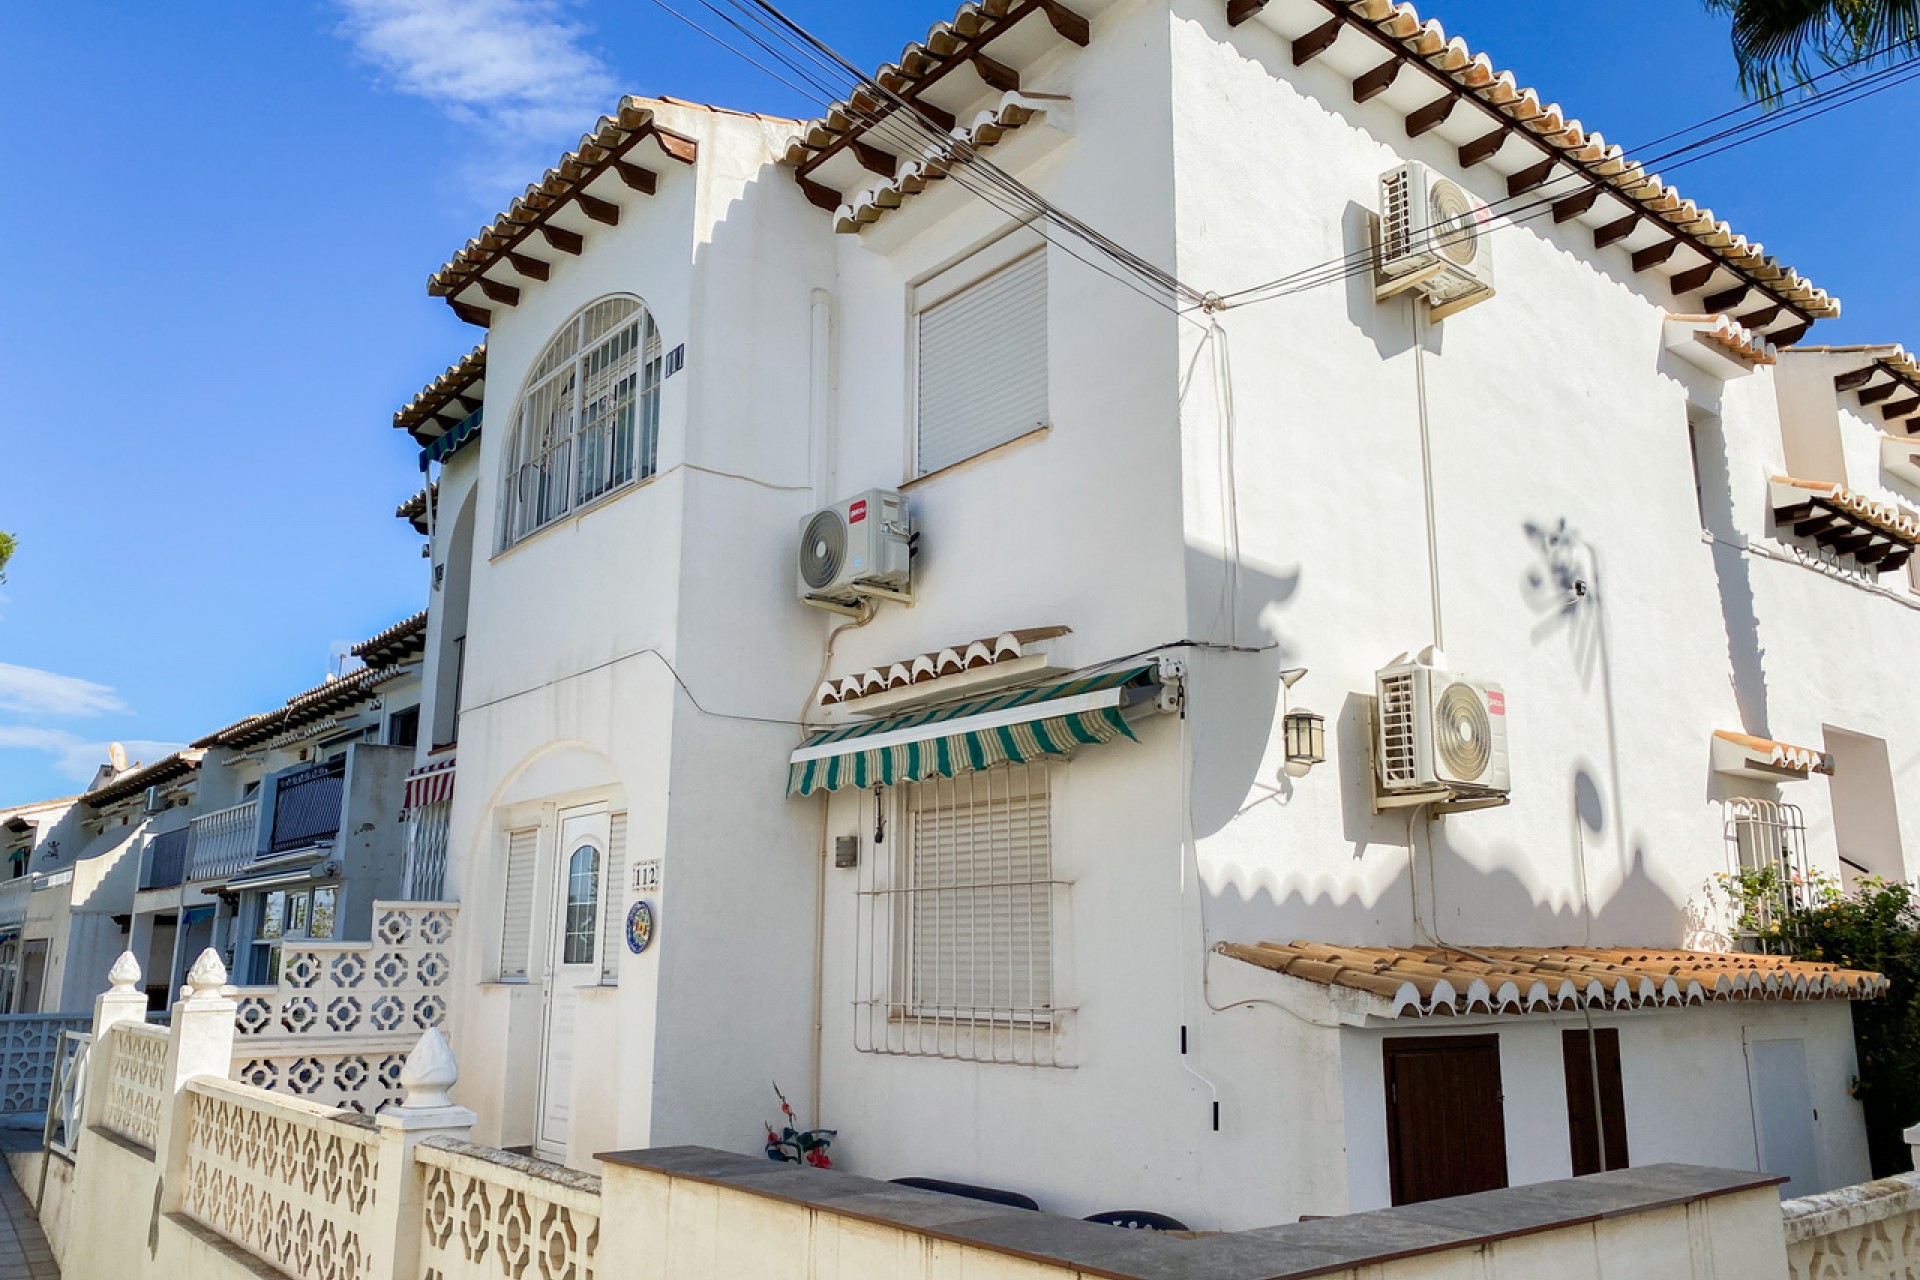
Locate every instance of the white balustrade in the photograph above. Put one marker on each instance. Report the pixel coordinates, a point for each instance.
(339, 1025)
(222, 842)
(1865, 1232)
(282, 1178)
(137, 1091)
(486, 1214)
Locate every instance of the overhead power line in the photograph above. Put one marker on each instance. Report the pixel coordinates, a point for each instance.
(1536, 203)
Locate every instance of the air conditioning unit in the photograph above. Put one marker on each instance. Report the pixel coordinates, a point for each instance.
(1433, 236)
(1438, 737)
(858, 549)
(156, 801)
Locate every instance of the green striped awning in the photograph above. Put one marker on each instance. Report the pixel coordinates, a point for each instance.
(944, 742)
(452, 441)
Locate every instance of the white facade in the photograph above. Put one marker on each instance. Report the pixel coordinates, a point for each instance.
(640, 664)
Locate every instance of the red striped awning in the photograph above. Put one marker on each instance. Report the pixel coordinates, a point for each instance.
(430, 784)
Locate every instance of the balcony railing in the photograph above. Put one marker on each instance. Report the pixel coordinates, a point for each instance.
(306, 806)
(13, 901)
(221, 842)
(166, 860)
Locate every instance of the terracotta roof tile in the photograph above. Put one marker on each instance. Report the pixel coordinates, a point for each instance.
(168, 767)
(404, 639)
(446, 400)
(1889, 519)
(1429, 981)
(919, 669)
(603, 160)
(1399, 30)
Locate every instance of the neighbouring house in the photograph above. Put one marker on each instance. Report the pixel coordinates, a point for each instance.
(298, 827)
(1304, 777)
(32, 836)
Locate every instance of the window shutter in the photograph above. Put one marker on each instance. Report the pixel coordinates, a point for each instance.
(981, 870)
(516, 920)
(615, 886)
(983, 364)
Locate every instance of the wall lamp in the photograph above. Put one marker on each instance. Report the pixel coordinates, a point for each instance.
(1306, 732)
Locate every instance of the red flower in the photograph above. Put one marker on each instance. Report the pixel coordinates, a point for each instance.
(785, 1108)
(819, 1159)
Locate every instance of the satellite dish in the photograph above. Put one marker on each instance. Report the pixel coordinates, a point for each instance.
(117, 754)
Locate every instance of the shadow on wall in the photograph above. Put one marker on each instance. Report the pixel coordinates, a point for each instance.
(1480, 901)
(1236, 694)
(1731, 572)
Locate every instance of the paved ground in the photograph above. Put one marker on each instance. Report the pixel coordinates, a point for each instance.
(24, 1254)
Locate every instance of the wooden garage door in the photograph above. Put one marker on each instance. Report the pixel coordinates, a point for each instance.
(1446, 1134)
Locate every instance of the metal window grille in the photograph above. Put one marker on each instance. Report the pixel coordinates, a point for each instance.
(516, 912)
(959, 916)
(426, 876)
(1767, 835)
(590, 418)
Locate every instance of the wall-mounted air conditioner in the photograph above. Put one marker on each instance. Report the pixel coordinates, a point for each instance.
(1439, 738)
(858, 549)
(155, 800)
(1432, 236)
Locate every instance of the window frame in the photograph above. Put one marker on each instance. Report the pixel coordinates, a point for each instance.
(975, 268)
(571, 371)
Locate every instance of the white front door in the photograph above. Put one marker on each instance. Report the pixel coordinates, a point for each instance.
(573, 961)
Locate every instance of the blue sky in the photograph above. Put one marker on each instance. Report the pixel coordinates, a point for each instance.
(220, 222)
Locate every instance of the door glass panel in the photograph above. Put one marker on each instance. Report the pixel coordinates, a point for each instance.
(273, 915)
(321, 923)
(297, 914)
(583, 900)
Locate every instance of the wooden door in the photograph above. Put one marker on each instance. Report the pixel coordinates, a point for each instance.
(1596, 1100)
(1446, 1127)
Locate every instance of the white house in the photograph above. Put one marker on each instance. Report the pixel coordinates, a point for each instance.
(982, 879)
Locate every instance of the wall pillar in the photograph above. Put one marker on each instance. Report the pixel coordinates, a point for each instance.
(426, 1111)
(122, 1001)
(1913, 1144)
(199, 1043)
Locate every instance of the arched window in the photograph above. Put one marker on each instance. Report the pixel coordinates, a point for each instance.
(583, 901)
(589, 420)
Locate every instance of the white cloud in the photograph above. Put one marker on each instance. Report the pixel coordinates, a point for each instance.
(38, 692)
(74, 756)
(515, 69)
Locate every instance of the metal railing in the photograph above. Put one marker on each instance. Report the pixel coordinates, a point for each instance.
(166, 862)
(426, 870)
(306, 806)
(68, 1094)
(1767, 842)
(222, 842)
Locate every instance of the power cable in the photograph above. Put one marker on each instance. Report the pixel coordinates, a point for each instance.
(1011, 199)
(1540, 200)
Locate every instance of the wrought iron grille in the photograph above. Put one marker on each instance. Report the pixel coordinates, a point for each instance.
(166, 860)
(961, 917)
(1767, 835)
(306, 806)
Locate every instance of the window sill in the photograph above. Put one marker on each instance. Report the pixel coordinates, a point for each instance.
(574, 516)
(1005, 446)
